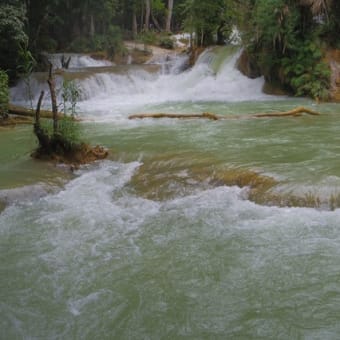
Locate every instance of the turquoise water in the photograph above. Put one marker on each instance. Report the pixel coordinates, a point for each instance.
(144, 245)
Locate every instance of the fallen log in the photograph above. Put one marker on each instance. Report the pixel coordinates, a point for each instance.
(211, 116)
(22, 111)
(295, 113)
(204, 115)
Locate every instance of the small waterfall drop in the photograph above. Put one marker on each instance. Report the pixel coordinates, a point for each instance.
(77, 60)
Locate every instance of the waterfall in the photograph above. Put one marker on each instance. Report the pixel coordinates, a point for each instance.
(213, 78)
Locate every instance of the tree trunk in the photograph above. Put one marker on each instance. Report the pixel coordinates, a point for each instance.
(134, 24)
(92, 26)
(37, 112)
(51, 84)
(220, 34)
(157, 25)
(142, 17)
(147, 14)
(169, 15)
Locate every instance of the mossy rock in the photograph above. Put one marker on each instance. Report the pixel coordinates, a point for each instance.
(248, 65)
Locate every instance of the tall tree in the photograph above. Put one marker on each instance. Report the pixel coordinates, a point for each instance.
(147, 14)
(13, 39)
(169, 15)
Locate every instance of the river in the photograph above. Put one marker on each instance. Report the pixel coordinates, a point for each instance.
(156, 242)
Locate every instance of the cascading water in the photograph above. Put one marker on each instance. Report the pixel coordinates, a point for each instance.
(213, 78)
(76, 60)
(152, 243)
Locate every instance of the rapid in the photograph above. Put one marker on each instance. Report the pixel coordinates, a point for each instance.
(159, 241)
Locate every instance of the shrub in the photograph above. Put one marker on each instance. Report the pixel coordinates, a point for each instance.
(114, 42)
(166, 42)
(70, 95)
(306, 73)
(147, 38)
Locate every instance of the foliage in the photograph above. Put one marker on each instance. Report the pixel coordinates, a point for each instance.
(4, 94)
(68, 130)
(287, 48)
(25, 69)
(111, 42)
(306, 73)
(70, 95)
(206, 18)
(148, 38)
(276, 25)
(277, 33)
(166, 42)
(114, 43)
(12, 38)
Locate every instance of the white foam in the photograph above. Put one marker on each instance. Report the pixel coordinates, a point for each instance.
(77, 60)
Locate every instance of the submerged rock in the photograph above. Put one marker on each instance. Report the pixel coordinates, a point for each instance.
(169, 176)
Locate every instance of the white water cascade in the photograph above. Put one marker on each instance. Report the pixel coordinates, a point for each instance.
(117, 92)
(214, 78)
(77, 60)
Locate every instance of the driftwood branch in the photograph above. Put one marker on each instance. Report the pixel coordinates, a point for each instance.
(299, 111)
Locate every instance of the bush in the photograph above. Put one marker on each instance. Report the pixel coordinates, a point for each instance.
(68, 130)
(306, 73)
(70, 95)
(114, 42)
(166, 42)
(48, 44)
(147, 38)
(79, 45)
(4, 94)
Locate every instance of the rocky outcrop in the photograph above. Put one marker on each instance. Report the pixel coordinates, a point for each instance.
(333, 59)
(247, 65)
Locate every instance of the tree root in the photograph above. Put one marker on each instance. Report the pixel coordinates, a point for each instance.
(297, 112)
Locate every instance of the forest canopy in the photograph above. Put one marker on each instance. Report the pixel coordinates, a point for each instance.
(285, 38)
